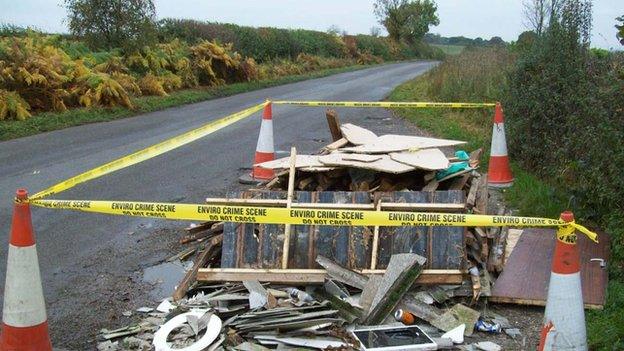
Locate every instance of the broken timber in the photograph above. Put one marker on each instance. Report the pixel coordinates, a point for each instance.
(313, 276)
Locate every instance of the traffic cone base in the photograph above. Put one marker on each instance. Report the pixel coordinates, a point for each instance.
(37, 337)
(24, 320)
(499, 172)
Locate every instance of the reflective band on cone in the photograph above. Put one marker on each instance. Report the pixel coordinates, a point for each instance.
(499, 172)
(24, 320)
(564, 318)
(264, 150)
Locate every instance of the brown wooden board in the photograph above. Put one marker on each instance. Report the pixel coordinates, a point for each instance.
(442, 246)
(526, 275)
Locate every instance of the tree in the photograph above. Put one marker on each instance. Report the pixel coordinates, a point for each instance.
(107, 24)
(375, 31)
(407, 20)
(496, 41)
(334, 30)
(620, 28)
(537, 13)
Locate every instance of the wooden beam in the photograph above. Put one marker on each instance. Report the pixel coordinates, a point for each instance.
(289, 198)
(531, 302)
(336, 144)
(393, 206)
(202, 259)
(334, 124)
(312, 276)
(341, 273)
(375, 247)
(401, 206)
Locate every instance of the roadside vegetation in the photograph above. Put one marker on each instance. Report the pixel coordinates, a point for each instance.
(119, 61)
(564, 112)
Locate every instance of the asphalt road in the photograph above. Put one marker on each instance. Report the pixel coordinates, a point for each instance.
(190, 173)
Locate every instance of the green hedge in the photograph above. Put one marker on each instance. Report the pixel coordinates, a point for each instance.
(266, 43)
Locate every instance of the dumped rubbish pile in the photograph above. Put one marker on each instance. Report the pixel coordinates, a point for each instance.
(343, 313)
(321, 286)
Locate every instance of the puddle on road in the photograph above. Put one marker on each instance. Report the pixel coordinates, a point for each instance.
(164, 277)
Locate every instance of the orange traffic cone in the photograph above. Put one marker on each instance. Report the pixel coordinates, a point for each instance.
(564, 319)
(499, 173)
(24, 319)
(264, 150)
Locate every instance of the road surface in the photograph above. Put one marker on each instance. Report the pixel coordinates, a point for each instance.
(83, 256)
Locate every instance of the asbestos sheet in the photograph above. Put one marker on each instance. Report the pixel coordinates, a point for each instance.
(383, 164)
(395, 143)
(430, 159)
(303, 161)
(357, 135)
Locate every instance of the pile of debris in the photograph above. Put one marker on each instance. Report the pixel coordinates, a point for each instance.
(260, 286)
(342, 314)
(362, 161)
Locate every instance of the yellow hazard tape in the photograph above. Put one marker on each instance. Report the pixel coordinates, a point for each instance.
(388, 104)
(149, 152)
(272, 215)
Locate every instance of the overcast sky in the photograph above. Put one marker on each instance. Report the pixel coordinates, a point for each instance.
(470, 18)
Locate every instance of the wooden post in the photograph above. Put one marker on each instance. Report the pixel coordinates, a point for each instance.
(334, 124)
(375, 240)
(289, 198)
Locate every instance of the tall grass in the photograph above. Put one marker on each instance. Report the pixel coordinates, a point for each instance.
(484, 75)
(475, 75)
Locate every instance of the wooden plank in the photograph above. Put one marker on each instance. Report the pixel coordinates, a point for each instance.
(203, 258)
(526, 275)
(398, 206)
(334, 146)
(481, 203)
(375, 240)
(334, 124)
(472, 193)
(459, 183)
(289, 198)
(311, 276)
(341, 273)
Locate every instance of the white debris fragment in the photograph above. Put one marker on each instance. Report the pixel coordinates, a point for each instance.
(165, 306)
(487, 346)
(456, 334)
(144, 309)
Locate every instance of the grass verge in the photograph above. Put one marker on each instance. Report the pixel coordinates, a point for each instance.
(530, 195)
(49, 121)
